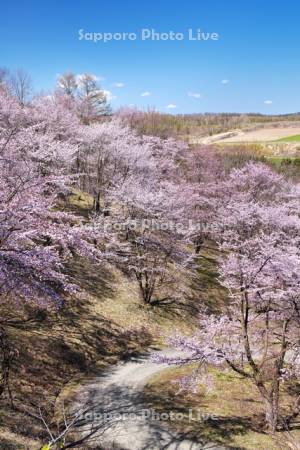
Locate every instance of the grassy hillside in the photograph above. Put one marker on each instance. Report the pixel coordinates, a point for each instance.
(103, 324)
(108, 322)
(185, 125)
(295, 138)
(234, 405)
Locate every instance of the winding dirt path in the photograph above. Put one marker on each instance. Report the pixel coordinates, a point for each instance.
(119, 393)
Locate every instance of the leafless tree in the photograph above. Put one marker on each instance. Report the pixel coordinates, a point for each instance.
(67, 83)
(75, 429)
(20, 85)
(3, 76)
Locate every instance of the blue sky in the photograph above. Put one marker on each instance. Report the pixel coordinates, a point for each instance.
(256, 56)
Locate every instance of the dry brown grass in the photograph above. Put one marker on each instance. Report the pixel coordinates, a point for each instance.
(108, 321)
(233, 400)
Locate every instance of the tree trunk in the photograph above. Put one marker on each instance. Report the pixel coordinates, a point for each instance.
(271, 415)
(6, 356)
(97, 201)
(146, 287)
(198, 245)
(146, 293)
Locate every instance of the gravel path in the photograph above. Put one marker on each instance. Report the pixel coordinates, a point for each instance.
(119, 392)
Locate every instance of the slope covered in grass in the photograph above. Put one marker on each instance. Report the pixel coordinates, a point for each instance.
(293, 138)
(57, 349)
(231, 413)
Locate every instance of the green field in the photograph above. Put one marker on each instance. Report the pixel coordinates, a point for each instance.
(294, 138)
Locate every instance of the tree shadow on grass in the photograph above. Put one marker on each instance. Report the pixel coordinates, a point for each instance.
(131, 419)
(172, 307)
(95, 279)
(198, 423)
(205, 288)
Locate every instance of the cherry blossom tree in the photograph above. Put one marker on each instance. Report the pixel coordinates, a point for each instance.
(202, 194)
(113, 158)
(139, 176)
(36, 150)
(156, 261)
(35, 237)
(257, 333)
(109, 155)
(144, 242)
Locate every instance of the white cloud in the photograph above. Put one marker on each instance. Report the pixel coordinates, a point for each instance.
(171, 106)
(119, 84)
(194, 94)
(268, 102)
(109, 95)
(145, 94)
(224, 81)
